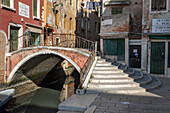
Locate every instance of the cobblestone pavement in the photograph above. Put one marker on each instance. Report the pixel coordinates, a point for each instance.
(157, 101)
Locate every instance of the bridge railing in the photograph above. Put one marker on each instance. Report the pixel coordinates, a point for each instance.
(58, 40)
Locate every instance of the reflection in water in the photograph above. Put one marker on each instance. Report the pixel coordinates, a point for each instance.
(43, 100)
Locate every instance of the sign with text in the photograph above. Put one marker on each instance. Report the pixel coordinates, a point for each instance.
(107, 22)
(24, 10)
(160, 25)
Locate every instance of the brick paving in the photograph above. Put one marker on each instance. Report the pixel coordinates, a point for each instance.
(157, 101)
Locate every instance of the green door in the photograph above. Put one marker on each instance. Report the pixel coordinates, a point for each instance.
(110, 47)
(121, 49)
(157, 57)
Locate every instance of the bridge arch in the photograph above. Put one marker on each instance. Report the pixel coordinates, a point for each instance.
(11, 75)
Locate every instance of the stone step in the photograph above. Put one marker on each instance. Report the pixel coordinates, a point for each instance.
(156, 83)
(145, 80)
(111, 80)
(123, 67)
(77, 103)
(107, 71)
(104, 64)
(130, 71)
(105, 67)
(112, 85)
(116, 64)
(101, 60)
(113, 75)
(129, 90)
(137, 76)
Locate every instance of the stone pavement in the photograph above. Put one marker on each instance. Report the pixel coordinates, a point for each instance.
(157, 101)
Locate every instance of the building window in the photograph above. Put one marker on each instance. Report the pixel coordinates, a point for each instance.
(98, 27)
(36, 8)
(13, 38)
(31, 38)
(116, 11)
(77, 4)
(71, 2)
(70, 23)
(88, 24)
(65, 21)
(158, 5)
(57, 18)
(35, 39)
(82, 23)
(5, 2)
(77, 25)
(9, 3)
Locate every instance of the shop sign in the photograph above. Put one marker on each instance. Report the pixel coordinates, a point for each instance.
(160, 25)
(24, 10)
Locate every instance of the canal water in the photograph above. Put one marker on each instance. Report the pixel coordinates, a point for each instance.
(43, 100)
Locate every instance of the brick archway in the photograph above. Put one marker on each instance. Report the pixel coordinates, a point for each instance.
(3, 42)
(19, 58)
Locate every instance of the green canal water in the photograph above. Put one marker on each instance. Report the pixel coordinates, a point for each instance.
(43, 100)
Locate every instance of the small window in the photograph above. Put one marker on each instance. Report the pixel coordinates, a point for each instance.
(77, 25)
(70, 23)
(77, 4)
(65, 21)
(82, 23)
(116, 11)
(5, 2)
(88, 24)
(98, 27)
(8, 3)
(57, 18)
(71, 2)
(158, 5)
(36, 8)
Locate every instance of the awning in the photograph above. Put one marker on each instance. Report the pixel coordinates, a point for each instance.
(35, 30)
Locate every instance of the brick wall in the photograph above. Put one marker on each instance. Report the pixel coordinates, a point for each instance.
(2, 56)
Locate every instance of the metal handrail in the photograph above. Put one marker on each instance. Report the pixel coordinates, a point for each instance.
(64, 40)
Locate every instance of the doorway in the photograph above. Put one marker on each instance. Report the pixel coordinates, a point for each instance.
(135, 56)
(157, 57)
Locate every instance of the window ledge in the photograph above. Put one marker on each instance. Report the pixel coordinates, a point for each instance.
(36, 18)
(158, 12)
(8, 8)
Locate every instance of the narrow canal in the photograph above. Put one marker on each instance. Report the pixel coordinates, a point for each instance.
(48, 94)
(43, 100)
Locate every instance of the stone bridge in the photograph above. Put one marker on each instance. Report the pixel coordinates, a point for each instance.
(41, 59)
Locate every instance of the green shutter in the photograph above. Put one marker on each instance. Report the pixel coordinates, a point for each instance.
(110, 47)
(35, 8)
(121, 47)
(13, 39)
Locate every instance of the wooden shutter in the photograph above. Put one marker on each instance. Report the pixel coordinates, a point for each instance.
(35, 8)
(57, 18)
